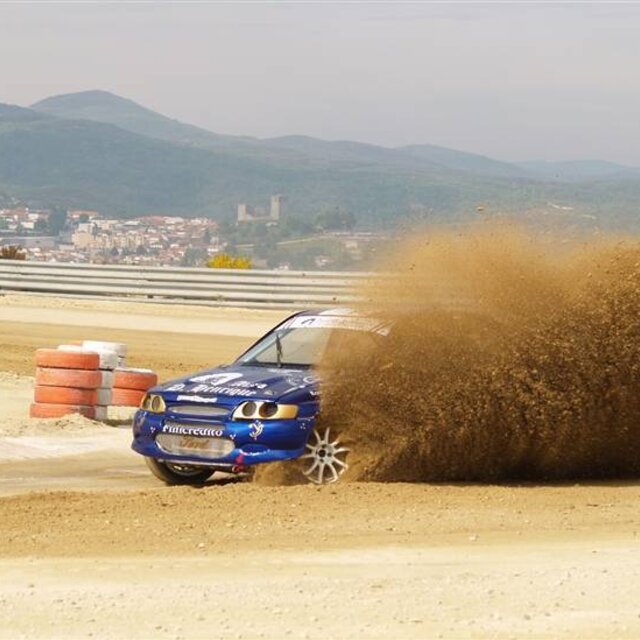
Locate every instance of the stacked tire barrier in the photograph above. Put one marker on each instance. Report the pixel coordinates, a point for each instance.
(67, 382)
(86, 379)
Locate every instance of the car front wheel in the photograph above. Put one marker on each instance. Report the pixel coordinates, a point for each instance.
(324, 461)
(173, 473)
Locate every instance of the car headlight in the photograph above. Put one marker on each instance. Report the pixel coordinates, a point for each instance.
(154, 403)
(258, 410)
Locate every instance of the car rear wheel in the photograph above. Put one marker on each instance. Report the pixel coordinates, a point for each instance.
(324, 461)
(173, 473)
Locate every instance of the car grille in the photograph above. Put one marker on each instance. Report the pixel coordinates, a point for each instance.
(208, 411)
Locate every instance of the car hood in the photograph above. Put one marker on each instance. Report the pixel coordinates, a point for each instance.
(243, 382)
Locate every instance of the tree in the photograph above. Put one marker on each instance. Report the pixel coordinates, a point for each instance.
(193, 257)
(335, 219)
(294, 225)
(57, 220)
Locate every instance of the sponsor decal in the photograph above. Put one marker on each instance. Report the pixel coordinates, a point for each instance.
(305, 423)
(226, 384)
(223, 391)
(197, 399)
(256, 429)
(351, 322)
(184, 430)
(176, 387)
(245, 384)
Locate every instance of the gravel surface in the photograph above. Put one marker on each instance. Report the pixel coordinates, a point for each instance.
(93, 546)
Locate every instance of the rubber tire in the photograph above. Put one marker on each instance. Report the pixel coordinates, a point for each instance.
(163, 472)
(76, 378)
(56, 359)
(42, 410)
(140, 379)
(126, 397)
(65, 395)
(108, 360)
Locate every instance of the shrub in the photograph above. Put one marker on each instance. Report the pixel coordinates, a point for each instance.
(12, 252)
(226, 261)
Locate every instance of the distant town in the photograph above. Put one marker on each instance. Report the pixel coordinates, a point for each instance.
(263, 237)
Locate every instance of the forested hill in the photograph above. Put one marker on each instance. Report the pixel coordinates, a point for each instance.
(95, 150)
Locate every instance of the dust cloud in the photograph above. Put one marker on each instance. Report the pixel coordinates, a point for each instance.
(509, 357)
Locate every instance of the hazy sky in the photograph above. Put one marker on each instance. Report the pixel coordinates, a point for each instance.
(518, 82)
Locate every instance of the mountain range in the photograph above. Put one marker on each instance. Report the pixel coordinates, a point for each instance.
(96, 150)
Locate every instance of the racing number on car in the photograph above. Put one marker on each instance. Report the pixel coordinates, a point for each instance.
(217, 378)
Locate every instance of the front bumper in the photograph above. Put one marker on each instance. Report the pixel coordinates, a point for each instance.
(255, 442)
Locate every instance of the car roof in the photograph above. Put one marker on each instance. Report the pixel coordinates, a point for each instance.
(335, 311)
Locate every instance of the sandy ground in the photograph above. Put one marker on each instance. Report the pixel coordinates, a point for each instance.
(93, 546)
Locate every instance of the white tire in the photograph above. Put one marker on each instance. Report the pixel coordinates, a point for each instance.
(107, 379)
(103, 397)
(108, 360)
(94, 345)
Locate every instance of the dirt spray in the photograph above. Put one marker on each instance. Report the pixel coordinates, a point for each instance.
(508, 357)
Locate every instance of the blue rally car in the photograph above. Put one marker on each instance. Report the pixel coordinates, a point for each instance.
(261, 408)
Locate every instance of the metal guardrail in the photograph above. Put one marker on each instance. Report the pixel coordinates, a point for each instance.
(214, 287)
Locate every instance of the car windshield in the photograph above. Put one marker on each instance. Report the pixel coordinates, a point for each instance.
(301, 343)
(298, 348)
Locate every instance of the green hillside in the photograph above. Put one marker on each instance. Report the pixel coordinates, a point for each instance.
(97, 151)
(102, 106)
(79, 163)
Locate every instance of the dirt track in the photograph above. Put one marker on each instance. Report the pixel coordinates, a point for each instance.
(93, 545)
(172, 340)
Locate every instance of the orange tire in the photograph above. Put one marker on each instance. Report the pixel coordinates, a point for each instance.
(67, 359)
(134, 379)
(65, 395)
(42, 410)
(126, 397)
(76, 378)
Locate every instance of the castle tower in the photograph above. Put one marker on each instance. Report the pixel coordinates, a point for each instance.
(243, 213)
(276, 207)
